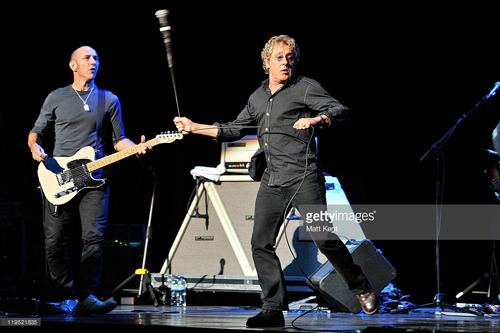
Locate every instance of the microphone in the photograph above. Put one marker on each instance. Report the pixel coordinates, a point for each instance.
(494, 90)
(165, 31)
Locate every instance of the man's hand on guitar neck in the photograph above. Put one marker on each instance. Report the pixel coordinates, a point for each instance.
(144, 147)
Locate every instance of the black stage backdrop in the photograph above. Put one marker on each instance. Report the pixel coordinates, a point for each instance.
(407, 72)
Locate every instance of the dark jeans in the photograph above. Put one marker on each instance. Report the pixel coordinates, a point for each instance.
(270, 208)
(86, 214)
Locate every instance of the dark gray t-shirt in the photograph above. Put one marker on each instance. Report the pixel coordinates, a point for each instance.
(63, 112)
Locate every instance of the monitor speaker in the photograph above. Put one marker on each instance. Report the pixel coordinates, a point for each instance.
(375, 266)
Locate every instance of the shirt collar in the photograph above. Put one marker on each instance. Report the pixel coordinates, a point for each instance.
(290, 82)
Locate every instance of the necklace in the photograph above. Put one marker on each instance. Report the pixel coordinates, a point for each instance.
(85, 105)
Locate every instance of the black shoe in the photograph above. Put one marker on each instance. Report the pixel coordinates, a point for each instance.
(369, 301)
(91, 305)
(267, 318)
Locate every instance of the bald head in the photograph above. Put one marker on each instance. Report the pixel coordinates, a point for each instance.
(84, 63)
(81, 49)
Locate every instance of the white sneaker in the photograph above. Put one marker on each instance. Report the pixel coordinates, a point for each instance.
(67, 306)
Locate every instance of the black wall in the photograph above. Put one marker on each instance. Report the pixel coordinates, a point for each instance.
(407, 73)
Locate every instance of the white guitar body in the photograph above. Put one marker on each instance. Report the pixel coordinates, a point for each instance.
(61, 178)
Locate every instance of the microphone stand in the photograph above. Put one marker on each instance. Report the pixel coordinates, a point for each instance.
(437, 150)
(145, 278)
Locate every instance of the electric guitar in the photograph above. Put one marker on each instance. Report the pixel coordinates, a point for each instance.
(61, 178)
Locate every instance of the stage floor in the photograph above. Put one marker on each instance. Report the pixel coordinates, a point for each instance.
(225, 318)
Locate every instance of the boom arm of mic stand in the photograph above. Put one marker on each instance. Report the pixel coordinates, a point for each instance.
(438, 145)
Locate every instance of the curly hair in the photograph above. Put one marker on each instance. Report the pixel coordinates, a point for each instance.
(281, 39)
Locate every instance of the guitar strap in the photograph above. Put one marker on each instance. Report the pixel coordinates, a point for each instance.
(101, 101)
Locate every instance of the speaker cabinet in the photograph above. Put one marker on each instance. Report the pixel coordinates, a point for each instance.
(205, 248)
(377, 269)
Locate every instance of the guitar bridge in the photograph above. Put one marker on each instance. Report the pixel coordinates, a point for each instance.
(64, 177)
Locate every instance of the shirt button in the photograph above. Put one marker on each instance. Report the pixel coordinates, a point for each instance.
(265, 144)
(267, 129)
(267, 114)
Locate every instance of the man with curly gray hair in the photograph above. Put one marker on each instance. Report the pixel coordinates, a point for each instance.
(281, 39)
(286, 109)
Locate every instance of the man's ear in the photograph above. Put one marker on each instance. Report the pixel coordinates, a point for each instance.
(267, 64)
(72, 65)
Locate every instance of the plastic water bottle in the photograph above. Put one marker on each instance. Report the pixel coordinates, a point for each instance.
(164, 289)
(174, 291)
(182, 287)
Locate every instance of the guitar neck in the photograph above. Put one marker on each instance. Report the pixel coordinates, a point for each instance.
(118, 156)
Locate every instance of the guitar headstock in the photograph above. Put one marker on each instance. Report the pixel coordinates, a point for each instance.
(168, 137)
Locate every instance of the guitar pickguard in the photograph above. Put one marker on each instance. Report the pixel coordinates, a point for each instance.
(78, 176)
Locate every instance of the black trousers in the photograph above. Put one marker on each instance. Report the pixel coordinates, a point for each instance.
(270, 208)
(77, 224)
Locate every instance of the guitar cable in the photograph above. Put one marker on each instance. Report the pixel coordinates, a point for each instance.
(46, 266)
(44, 206)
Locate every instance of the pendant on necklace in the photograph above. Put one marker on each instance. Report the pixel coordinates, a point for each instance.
(86, 107)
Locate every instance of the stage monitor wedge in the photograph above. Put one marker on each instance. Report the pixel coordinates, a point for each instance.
(334, 290)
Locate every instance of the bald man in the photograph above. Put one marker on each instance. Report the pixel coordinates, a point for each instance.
(71, 114)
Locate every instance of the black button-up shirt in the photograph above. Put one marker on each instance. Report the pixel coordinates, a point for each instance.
(274, 115)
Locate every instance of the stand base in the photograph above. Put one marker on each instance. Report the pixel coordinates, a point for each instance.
(146, 284)
(437, 303)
